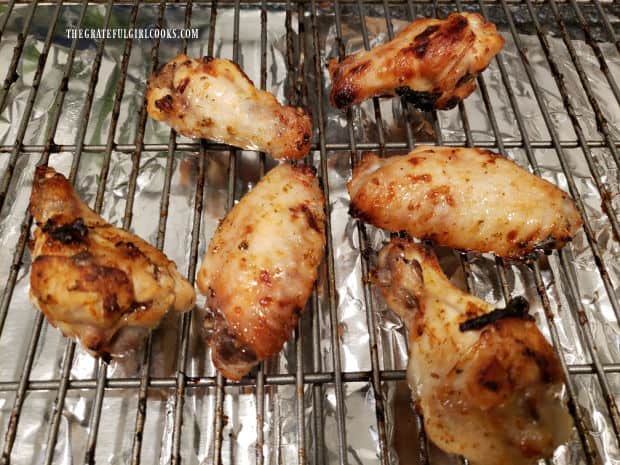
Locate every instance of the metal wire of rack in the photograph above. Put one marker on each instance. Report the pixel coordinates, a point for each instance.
(304, 59)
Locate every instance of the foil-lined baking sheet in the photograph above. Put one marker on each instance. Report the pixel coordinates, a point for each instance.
(280, 423)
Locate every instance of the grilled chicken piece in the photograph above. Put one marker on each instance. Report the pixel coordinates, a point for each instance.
(97, 283)
(260, 268)
(212, 98)
(468, 199)
(488, 384)
(432, 63)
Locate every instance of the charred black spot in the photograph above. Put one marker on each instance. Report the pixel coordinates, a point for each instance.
(312, 222)
(516, 308)
(359, 214)
(464, 79)
(421, 42)
(344, 96)
(243, 245)
(423, 100)
(457, 25)
(426, 32)
(71, 233)
(451, 103)
(207, 59)
(182, 85)
(419, 50)
(527, 352)
(490, 385)
(164, 104)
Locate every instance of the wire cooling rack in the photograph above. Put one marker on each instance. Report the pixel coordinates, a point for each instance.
(567, 134)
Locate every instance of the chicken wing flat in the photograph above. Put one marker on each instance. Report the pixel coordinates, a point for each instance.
(212, 98)
(468, 199)
(99, 284)
(486, 381)
(432, 63)
(260, 268)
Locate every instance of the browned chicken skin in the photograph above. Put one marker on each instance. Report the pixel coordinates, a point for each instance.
(486, 381)
(212, 98)
(97, 283)
(260, 268)
(433, 63)
(465, 198)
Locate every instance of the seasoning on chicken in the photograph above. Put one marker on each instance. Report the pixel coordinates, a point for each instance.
(432, 63)
(465, 198)
(99, 284)
(487, 382)
(212, 98)
(260, 268)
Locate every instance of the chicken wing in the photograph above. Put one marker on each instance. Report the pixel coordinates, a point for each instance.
(212, 98)
(260, 267)
(486, 381)
(97, 283)
(468, 199)
(433, 63)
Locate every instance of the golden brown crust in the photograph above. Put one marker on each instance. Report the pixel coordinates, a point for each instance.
(464, 198)
(490, 393)
(260, 267)
(93, 281)
(213, 98)
(433, 63)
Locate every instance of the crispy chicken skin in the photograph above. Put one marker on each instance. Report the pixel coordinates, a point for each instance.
(433, 63)
(491, 394)
(465, 198)
(97, 283)
(212, 98)
(260, 267)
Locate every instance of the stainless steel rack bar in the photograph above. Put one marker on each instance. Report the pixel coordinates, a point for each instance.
(305, 60)
(329, 146)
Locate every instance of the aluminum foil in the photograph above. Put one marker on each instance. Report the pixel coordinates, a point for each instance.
(280, 423)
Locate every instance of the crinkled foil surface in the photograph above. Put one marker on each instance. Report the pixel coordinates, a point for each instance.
(239, 435)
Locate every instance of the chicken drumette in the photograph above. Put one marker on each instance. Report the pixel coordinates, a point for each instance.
(486, 381)
(99, 284)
